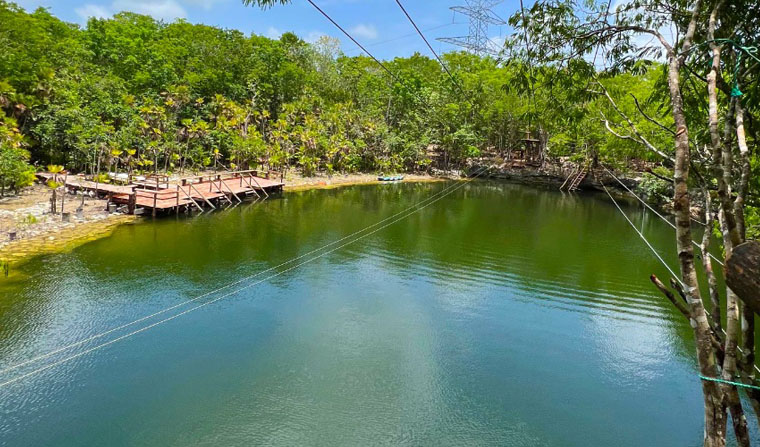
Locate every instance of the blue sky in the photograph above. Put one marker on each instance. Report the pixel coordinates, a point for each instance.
(379, 24)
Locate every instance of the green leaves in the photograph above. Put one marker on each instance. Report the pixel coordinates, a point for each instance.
(162, 94)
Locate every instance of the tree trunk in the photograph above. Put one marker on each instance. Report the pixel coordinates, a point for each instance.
(738, 418)
(712, 280)
(743, 187)
(63, 196)
(722, 161)
(714, 412)
(748, 314)
(53, 203)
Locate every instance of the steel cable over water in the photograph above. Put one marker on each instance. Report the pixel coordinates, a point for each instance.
(97, 336)
(665, 264)
(658, 214)
(445, 68)
(409, 211)
(211, 292)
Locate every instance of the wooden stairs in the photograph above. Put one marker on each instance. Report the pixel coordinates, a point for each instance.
(574, 180)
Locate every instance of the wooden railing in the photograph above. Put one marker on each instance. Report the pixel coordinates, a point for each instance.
(156, 195)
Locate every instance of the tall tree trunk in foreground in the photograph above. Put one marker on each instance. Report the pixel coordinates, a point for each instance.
(712, 280)
(747, 314)
(714, 412)
(722, 167)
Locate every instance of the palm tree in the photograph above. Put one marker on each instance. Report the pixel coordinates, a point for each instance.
(130, 161)
(114, 159)
(217, 156)
(54, 184)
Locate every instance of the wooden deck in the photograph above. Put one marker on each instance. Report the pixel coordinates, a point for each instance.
(154, 199)
(161, 194)
(78, 183)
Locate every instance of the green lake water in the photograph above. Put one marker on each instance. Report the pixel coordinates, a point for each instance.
(500, 315)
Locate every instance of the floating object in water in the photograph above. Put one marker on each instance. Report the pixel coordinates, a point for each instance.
(390, 178)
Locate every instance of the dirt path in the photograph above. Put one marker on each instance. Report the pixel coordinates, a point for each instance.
(37, 229)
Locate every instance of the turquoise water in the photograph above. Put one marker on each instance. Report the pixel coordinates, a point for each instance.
(499, 315)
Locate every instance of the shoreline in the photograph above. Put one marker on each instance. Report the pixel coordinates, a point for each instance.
(58, 237)
(297, 183)
(62, 239)
(50, 235)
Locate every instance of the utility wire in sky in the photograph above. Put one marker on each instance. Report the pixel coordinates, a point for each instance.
(422, 99)
(395, 78)
(453, 80)
(404, 36)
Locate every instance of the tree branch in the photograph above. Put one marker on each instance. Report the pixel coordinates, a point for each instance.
(650, 119)
(641, 138)
(669, 295)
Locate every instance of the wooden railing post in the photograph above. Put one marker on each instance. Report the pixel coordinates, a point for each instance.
(132, 201)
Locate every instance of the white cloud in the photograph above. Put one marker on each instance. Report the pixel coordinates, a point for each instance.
(205, 4)
(167, 10)
(162, 9)
(313, 36)
(273, 33)
(90, 10)
(365, 31)
(497, 42)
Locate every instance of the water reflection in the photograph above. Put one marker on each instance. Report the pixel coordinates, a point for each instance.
(501, 315)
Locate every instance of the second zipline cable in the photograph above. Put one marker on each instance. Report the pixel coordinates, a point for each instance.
(409, 211)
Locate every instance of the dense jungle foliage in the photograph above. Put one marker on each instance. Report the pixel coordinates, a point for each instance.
(134, 94)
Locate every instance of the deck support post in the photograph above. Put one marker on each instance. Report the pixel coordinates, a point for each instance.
(132, 203)
(202, 196)
(266, 194)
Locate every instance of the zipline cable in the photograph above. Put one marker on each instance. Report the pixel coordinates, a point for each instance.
(184, 303)
(355, 41)
(97, 336)
(644, 202)
(665, 264)
(453, 80)
(641, 235)
(418, 206)
(419, 97)
(403, 36)
(660, 215)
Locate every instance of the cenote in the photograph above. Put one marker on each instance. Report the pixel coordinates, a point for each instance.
(498, 315)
